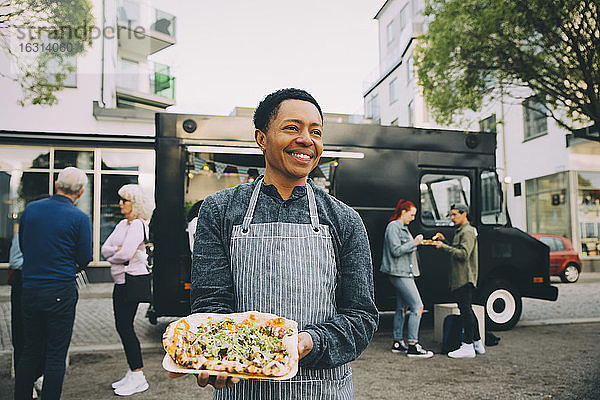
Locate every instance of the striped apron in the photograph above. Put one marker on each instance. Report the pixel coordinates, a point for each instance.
(289, 270)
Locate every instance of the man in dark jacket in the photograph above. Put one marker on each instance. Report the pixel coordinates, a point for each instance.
(463, 278)
(56, 241)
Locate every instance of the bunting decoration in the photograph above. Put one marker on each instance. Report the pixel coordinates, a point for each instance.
(219, 169)
(242, 172)
(325, 169)
(199, 164)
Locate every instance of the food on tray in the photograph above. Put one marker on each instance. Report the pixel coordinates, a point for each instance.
(428, 242)
(250, 344)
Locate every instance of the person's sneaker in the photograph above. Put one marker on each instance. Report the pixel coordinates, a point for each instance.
(399, 346)
(464, 351)
(135, 384)
(416, 351)
(121, 382)
(478, 347)
(39, 384)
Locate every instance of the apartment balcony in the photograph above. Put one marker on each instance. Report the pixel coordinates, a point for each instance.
(144, 30)
(149, 85)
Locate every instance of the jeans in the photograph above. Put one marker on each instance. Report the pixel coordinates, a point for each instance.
(124, 311)
(464, 297)
(407, 295)
(48, 317)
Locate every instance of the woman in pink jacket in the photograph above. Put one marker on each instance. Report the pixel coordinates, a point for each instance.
(125, 250)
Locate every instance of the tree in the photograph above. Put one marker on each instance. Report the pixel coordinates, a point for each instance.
(42, 38)
(478, 50)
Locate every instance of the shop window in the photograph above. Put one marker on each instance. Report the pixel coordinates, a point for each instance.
(373, 108)
(411, 113)
(492, 210)
(28, 172)
(544, 213)
(534, 117)
(438, 193)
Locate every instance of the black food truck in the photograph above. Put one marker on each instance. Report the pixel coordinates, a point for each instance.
(368, 167)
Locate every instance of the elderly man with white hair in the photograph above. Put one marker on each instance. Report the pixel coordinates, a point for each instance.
(56, 241)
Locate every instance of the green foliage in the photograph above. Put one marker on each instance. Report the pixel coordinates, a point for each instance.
(39, 72)
(476, 50)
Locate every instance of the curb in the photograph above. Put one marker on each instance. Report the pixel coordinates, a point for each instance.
(559, 321)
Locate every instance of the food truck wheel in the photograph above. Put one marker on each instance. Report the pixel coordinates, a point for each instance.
(503, 305)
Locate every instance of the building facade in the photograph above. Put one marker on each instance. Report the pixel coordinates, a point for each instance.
(103, 122)
(551, 176)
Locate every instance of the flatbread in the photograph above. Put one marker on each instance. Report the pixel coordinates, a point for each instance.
(247, 345)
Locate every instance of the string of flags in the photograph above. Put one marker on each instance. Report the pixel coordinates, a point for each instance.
(201, 164)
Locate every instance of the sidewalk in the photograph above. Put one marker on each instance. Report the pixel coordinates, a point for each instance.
(94, 322)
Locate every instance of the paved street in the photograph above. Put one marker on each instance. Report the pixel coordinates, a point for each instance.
(524, 364)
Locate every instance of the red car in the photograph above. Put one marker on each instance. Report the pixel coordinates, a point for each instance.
(564, 259)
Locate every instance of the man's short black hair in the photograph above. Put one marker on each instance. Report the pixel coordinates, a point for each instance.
(269, 106)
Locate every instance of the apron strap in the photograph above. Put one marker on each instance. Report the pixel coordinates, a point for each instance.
(312, 207)
(252, 206)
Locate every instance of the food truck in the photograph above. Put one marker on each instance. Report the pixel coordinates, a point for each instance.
(368, 167)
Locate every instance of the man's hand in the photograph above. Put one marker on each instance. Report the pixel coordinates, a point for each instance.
(438, 244)
(439, 236)
(305, 343)
(218, 381)
(419, 239)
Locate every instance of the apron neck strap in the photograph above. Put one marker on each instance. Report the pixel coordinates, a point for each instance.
(312, 207)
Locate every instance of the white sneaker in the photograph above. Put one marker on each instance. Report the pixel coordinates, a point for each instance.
(464, 351)
(39, 384)
(121, 382)
(135, 384)
(478, 347)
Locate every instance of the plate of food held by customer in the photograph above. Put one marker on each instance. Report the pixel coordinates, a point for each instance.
(250, 345)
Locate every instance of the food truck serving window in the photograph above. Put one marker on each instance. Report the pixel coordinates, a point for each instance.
(438, 193)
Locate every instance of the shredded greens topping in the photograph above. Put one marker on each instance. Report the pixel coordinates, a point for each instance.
(258, 345)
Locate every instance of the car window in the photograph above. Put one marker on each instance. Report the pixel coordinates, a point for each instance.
(548, 242)
(558, 244)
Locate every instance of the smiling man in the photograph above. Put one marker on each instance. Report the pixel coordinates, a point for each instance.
(282, 245)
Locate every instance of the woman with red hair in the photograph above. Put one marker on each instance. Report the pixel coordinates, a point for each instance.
(399, 262)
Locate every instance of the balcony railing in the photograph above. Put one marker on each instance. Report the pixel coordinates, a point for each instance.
(152, 29)
(150, 83)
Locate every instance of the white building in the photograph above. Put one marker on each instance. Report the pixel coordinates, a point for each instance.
(552, 177)
(103, 122)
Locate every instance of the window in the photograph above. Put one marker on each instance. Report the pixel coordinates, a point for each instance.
(488, 124)
(373, 108)
(588, 212)
(534, 117)
(390, 32)
(410, 69)
(417, 6)
(404, 17)
(411, 113)
(492, 210)
(27, 172)
(555, 244)
(438, 193)
(542, 215)
(393, 90)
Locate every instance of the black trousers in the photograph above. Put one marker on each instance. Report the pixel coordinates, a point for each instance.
(48, 317)
(16, 315)
(464, 297)
(124, 311)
